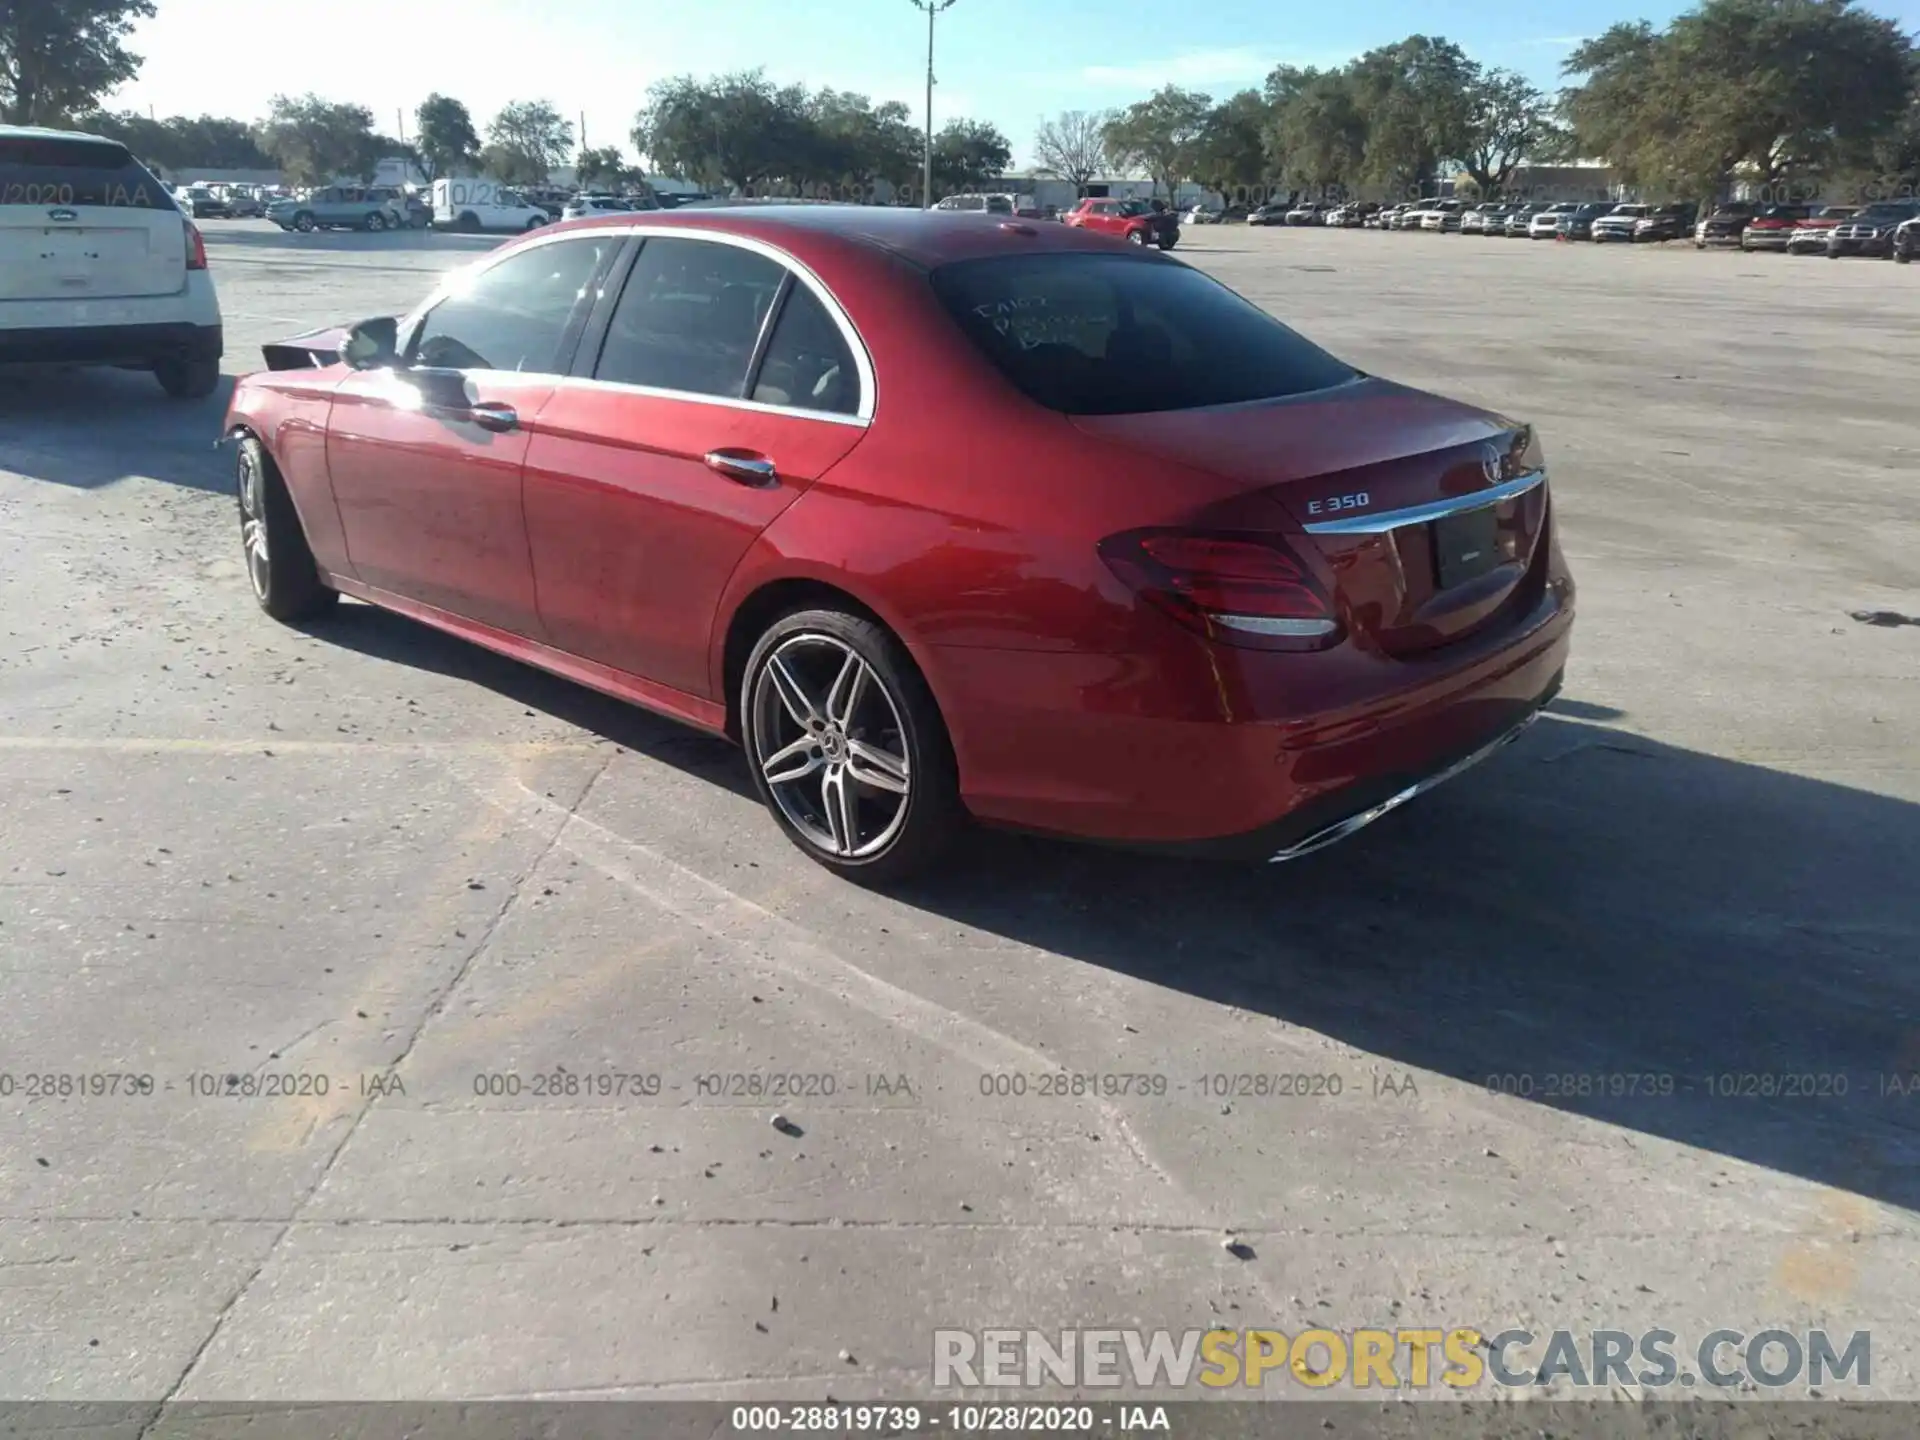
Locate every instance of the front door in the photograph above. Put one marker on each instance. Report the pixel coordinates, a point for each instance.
(427, 459)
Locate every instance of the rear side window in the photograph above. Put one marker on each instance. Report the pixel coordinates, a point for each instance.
(1088, 334)
(807, 364)
(51, 170)
(689, 317)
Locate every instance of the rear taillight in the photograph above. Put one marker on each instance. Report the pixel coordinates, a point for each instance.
(196, 248)
(1236, 588)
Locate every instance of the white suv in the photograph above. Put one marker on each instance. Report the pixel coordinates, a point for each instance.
(98, 266)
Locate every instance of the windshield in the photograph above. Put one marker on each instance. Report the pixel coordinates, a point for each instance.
(1091, 334)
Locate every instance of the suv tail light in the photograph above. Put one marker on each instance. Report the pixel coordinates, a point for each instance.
(1241, 589)
(196, 248)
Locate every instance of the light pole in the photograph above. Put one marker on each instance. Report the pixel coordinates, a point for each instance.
(933, 8)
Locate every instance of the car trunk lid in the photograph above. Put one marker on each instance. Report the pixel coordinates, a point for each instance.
(1426, 514)
(80, 219)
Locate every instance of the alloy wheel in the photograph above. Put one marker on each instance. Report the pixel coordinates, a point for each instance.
(253, 523)
(831, 747)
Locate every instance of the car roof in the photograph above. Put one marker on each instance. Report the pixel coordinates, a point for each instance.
(45, 132)
(925, 238)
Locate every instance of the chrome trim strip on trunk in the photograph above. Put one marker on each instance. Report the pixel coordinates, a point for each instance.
(1421, 514)
(1341, 829)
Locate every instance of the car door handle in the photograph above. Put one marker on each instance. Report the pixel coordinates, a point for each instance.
(745, 466)
(494, 415)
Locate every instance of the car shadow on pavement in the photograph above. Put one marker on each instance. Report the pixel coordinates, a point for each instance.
(384, 635)
(1693, 948)
(89, 427)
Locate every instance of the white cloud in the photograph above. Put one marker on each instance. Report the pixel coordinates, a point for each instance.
(1233, 65)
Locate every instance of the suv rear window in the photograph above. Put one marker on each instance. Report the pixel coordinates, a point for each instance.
(1088, 334)
(50, 170)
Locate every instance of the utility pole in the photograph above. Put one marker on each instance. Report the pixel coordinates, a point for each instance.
(933, 8)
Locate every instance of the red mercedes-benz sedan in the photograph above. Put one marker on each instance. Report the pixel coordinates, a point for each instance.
(938, 515)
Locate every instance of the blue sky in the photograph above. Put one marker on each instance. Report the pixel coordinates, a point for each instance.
(1013, 62)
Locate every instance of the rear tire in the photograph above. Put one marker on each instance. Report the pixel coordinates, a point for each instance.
(1903, 257)
(469, 223)
(303, 222)
(376, 222)
(187, 379)
(535, 223)
(279, 561)
(865, 781)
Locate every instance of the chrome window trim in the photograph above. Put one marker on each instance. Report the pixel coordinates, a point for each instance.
(1387, 520)
(801, 272)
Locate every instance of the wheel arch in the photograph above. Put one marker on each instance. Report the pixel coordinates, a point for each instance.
(780, 595)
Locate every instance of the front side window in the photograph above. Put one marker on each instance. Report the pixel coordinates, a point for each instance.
(689, 317)
(516, 314)
(1088, 334)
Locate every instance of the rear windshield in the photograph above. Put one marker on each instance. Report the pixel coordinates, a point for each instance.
(43, 170)
(1089, 334)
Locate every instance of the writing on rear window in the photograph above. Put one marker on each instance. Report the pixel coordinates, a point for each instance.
(54, 192)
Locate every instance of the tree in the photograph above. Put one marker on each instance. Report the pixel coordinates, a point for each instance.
(1508, 121)
(444, 136)
(58, 57)
(1231, 151)
(967, 154)
(1414, 99)
(526, 140)
(733, 130)
(605, 166)
(1161, 135)
(1073, 146)
(848, 140)
(1770, 88)
(314, 140)
(1316, 134)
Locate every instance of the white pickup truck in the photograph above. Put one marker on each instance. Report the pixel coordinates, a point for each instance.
(476, 205)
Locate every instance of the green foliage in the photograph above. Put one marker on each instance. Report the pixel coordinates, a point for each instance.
(1231, 148)
(181, 145)
(1162, 135)
(59, 57)
(525, 141)
(444, 137)
(967, 154)
(315, 141)
(1776, 90)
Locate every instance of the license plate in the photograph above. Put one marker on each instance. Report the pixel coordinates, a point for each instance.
(1465, 546)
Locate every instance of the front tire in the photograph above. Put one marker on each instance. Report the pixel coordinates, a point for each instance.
(304, 222)
(1136, 237)
(376, 222)
(847, 747)
(535, 223)
(280, 564)
(187, 379)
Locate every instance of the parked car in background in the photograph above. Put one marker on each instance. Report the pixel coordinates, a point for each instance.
(1353, 215)
(478, 205)
(1381, 219)
(1871, 231)
(1201, 214)
(1577, 223)
(1772, 226)
(582, 206)
(201, 202)
(1809, 236)
(337, 207)
(1545, 223)
(99, 266)
(998, 204)
(413, 209)
(1308, 213)
(1134, 221)
(1724, 225)
(1285, 597)
(1665, 222)
(1443, 215)
(1408, 216)
(243, 202)
(1274, 212)
(1519, 220)
(1906, 241)
(1234, 215)
(1488, 217)
(1619, 223)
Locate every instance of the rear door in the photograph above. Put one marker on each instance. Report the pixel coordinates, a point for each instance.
(81, 219)
(725, 386)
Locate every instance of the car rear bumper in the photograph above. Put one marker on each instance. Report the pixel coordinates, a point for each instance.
(111, 344)
(1765, 240)
(1092, 747)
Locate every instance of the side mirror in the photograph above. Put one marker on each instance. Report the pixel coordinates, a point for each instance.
(372, 344)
